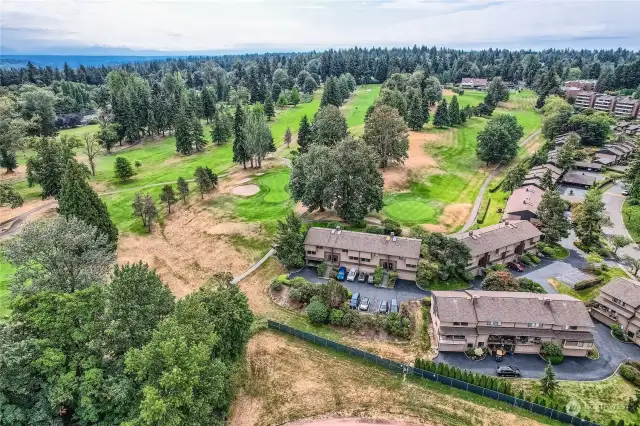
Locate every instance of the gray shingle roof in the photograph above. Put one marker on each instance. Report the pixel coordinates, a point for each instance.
(580, 336)
(485, 240)
(587, 165)
(624, 289)
(578, 178)
(454, 306)
(364, 242)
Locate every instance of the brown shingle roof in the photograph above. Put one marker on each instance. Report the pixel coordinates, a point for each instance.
(588, 165)
(578, 178)
(624, 289)
(485, 240)
(462, 331)
(605, 159)
(364, 242)
(525, 198)
(510, 307)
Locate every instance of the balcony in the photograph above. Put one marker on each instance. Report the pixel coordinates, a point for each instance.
(451, 342)
(609, 313)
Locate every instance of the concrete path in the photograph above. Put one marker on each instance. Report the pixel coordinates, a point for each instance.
(253, 267)
(471, 220)
(612, 353)
(11, 226)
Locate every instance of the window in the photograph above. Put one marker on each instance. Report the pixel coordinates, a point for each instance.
(630, 334)
(533, 324)
(618, 301)
(311, 252)
(469, 345)
(461, 323)
(570, 327)
(364, 259)
(344, 250)
(458, 337)
(319, 247)
(480, 344)
(580, 344)
(401, 257)
(497, 250)
(409, 265)
(353, 258)
(495, 323)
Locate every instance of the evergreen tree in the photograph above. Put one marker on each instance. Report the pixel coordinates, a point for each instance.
(9, 197)
(548, 384)
(8, 160)
(589, 217)
(329, 126)
(196, 133)
(218, 131)
(47, 167)
(304, 134)
(514, 177)
(203, 180)
(168, 196)
(269, 108)
(184, 135)
(294, 97)
(454, 112)
(441, 118)
(78, 199)
(567, 153)
(287, 137)
(555, 224)
(183, 189)
(415, 112)
(240, 155)
(208, 103)
(149, 210)
(122, 169)
(546, 181)
(331, 94)
(289, 241)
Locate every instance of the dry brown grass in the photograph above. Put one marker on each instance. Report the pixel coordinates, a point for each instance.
(396, 177)
(289, 380)
(454, 215)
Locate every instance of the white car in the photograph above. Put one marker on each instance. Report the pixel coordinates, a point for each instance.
(352, 274)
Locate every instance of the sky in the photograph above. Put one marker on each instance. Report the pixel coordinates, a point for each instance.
(86, 26)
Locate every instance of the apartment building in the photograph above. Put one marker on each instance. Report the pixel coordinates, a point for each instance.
(626, 107)
(619, 303)
(499, 244)
(512, 321)
(581, 84)
(363, 251)
(585, 99)
(604, 103)
(523, 204)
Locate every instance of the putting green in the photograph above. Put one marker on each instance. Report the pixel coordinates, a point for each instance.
(411, 211)
(276, 185)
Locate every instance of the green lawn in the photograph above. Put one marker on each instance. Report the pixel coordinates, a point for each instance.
(6, 273)
(631, 217)
(470, 97)
(356, 107)
(79, 131)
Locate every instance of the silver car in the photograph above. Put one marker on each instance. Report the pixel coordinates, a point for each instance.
(352, 274)
(364, 304)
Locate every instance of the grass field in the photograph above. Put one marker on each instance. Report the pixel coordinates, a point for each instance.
(631, 217)
(6, 273)
(470, 97)
(79, 131)
(356, 107)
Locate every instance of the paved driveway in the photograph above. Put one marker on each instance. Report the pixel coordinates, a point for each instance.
(613, 200)
(612, 354)
(403, 291)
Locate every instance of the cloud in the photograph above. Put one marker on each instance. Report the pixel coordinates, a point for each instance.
(192, 25)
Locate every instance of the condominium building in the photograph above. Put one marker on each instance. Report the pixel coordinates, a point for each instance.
(512, 321)
(619, 303)
(499, 244)
(626, 107)
(581, 84)
(363, 251)
(585, 99)
(474, 83)
(523, 204)
(604, 103)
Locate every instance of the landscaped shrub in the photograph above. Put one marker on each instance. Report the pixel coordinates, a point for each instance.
(390, 225)
(317, 312)
(499, 267)
(393, 276)
(333, 294)
(377, 276)
(547, 251)
(275, 286)
(336, 316)
(550, 349)
(350, 319)
(527, 261)
(530, 286)
(618, 332)
(484, 209)
(296, 295)
(397, 325)
(535, 258)
(556, 360)
(588, 283)
(630, 373)
(374, 230)
(321, 269)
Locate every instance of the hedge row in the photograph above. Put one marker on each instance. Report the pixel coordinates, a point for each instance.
(588, 283)
(484, 209)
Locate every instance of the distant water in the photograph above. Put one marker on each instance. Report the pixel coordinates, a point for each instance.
(57, 61)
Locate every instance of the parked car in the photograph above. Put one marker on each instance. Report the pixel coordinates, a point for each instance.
(384, 307)
(355, 301)
(515, 266)
(370, 279)
(341, 273)
(362, 277)
(364, 304)
(625, 193)
(508, 371)
(352, 274)
(393, 306)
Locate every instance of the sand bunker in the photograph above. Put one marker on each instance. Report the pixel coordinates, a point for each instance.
(245, 190)
(243, 181)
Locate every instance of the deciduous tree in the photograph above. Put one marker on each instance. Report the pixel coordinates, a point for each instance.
(310, 174)
(47, 166)
(91, 148)
(183, 189)
(620, 241)
(568, 152)
(386, 133)
(289, 241)
(329, 126)
(497, 91)
(514, 177)
(498, 141)
(9, 197)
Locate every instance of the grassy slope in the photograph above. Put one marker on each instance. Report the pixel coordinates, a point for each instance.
(6, 272)
(79, 131)
(356, 107)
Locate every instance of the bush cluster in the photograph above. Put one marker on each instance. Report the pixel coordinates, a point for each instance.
(484, 209)
(631, 372)
(552, 352)
(588, 283)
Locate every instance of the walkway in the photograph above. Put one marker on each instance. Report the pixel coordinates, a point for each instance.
(15, 222)
(253, 267)
(612, 354)
(471, 220)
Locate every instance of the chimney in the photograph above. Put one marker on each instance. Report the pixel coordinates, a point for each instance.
(546, 301)
(475, 299)
(338, 229)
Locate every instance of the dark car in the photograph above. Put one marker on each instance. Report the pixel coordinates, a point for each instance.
(515, 266)
(364, 304)
(341, 273)
(508, 371)
(355, 301)
(384, 307)
(393, 306)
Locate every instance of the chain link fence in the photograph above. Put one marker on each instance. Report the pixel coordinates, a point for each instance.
(448, 381)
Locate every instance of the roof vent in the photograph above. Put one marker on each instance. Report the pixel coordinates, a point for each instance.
(333, 231)
(393, 237)
(338, 229)
(546, 301)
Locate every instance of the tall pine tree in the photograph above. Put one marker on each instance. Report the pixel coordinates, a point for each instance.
(454, 112)
(184, 141)
(441, 118)
(218, 131)
(269, 107)
(331, 94)
(196, 133)
(240, 154)
(415, 113)
(78, 199)
(304, 134)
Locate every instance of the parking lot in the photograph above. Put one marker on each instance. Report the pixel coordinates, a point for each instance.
(404, 290)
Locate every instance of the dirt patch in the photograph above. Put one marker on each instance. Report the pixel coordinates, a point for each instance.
(245, 190)
(287, 380)
(351, 421)
(434, 228)
(455, 215)
(7, 213)
(191, 247)
(419, 162)
(448, 92)
(20, 173)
